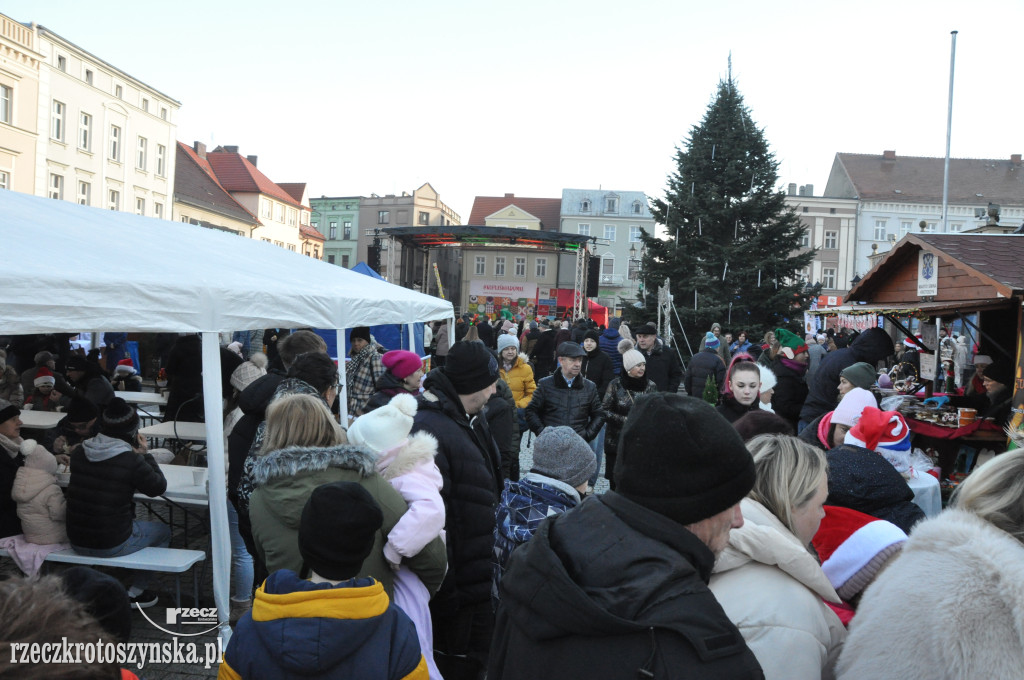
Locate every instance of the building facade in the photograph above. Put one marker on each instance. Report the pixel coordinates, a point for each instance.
(20, 63)
(201, 200)
(615, 220)
(832, 231)
(337, 219)
(106, 139)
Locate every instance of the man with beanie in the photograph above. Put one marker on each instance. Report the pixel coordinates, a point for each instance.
(81, 423)
(705, 364)
(566, 397)
(662, 363)
(451, 409)
(326, 622)
(617, 588)
(106, 472)
(363, 371)
(562, 466)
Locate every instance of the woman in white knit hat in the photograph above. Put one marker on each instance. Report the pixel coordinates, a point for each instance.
(768, 383)
(618, 401)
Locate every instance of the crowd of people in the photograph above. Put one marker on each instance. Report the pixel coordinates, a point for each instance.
(758, 525)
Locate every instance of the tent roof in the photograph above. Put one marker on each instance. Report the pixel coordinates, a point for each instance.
(69, 268)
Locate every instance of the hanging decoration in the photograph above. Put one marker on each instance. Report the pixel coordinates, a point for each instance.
(736, 230)
(725, 270)
(700, 230)
(758, 278)
(695, 299)
(713, 151)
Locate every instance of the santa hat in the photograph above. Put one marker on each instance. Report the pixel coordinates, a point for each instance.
(124, 367)
(910, 343)
(854, 547)
(44, 376)
(881, 431)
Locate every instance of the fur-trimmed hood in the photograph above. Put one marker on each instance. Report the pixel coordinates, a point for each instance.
(418, 449)
(293, 460)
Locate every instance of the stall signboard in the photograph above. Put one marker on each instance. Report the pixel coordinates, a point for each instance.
(927, 274)
(927, 366)
(502, 289)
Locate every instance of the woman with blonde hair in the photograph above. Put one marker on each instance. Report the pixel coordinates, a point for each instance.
(303, 448)
(768, 580)
(967, 564)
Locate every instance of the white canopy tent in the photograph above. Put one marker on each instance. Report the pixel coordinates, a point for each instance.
(69, 268)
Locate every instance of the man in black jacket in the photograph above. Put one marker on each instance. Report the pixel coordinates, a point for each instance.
(451, 409)
(662, 363)
(617, 588)
(566, 397)
(542, 356)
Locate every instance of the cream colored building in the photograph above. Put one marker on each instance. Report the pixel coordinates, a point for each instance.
(106, 139)
(832, 230)
(19, 105)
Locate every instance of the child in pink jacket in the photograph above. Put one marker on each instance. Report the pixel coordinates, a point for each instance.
(41, 506)
(407, 462)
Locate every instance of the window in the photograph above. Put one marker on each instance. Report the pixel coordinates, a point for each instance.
(806, 209)
(424, 217)
(638, 208)
(279, 213)
(831, 211)
(880, 230)
(584, 206)
(291, 247)
(141, 153)
(956, 227)
(906, 226)
(56, 186)
(828, 278)
(607, 266)
(383, 217)
(344, 261)
(114, 199)
(346, 230)
(145, 105)
(115, 143)
(611, 205)
(161, 160)
(85, 132)
(542, 267)
(333, 233)
(266, 210)
(520, 267)
(831, 239)
(57, 121)
(6, 104)
(929, 227)
(62, 63)
(293, 217)
(583, 230)
(330, 259)
(163, 112)
(118, 91)
(634, 233)
(158, 210)
(140, 206)
(609, 232)
(5, 180)
(88, 77)
(84, 193)
(499, 265)
(805, 240)
(304, 217)
(480, 265)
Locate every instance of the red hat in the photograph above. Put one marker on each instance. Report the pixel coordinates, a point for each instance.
(910, 343)
(881, 431)
(44, 376)
(125, 366)
(854, 547)
(402, 363)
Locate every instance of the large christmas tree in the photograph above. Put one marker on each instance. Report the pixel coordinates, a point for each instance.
(731, 255)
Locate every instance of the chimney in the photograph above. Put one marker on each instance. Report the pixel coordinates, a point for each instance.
(251, 159)
(803, 190)
(792, 189)
(200, 149)
(510, 195)
(889, 155)
(231, 149)
(1015, 159)
(810, 189)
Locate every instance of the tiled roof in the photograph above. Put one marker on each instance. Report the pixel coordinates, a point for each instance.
(236, 173)
(294, 189)
(547, 210)
(195, 183)
(306, 231)
(919, 179)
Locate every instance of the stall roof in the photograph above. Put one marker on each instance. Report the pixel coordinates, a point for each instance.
(469, 235)
(903, 309)
(70, 268)
(994, 259)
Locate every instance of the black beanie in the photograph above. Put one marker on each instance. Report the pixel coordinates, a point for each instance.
(592, 335)
(103, 597)
(470, 367)
(337, 530)
(120, 420)
(81, 410)
(360, 332)
(8, 411)
(680, 458)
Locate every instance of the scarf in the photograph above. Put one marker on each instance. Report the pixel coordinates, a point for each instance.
(633, 384)
(11, 446)
(794, 366)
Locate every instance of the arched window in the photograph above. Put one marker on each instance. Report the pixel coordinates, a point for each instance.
(585, 205)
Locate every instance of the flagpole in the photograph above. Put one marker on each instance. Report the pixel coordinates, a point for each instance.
(949, 129)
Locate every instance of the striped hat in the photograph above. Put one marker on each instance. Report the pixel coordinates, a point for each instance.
(880, 431)
(854, 547)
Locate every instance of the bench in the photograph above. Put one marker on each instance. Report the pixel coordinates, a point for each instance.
(168, 560)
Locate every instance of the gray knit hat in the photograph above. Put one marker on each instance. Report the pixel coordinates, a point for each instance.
(861, 374)
(562, 454)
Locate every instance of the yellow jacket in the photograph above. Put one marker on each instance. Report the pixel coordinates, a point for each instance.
(519, 379)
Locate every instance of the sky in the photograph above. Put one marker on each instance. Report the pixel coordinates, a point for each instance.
(482, 98)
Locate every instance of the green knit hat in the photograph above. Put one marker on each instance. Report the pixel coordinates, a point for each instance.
(790, 341)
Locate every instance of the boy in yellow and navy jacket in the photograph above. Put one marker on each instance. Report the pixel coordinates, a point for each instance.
(330, 625)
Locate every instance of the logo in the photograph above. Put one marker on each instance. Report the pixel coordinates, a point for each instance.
(928, 270)
(187, 616)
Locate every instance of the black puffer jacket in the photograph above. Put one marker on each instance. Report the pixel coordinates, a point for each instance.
(703, 364)
(663, 367)
(790, 392)
(861, 479)
(543, 354)
(555, 403)
(613, 590)
(10, 525)
(504, 426)
(470, 466)
(105, 474)
(598, 369)
(733, 410)
(871, 346)
(617, 403)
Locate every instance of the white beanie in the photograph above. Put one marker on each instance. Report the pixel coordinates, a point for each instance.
(768, 379)
(852, 405)
(630, 357)
(507, 340)
(384, 428)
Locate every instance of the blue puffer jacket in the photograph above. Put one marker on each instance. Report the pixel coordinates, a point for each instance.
(609, 344)
(524, 505)
(318, 630)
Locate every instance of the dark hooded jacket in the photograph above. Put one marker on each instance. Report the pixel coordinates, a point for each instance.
(253, 401)
(543, 354)
(862, 480)
(556, 403)
(663, 367)
(609, 344)
(597, 368)
(10, 524)
(613, 590)
(470, 467)
(504, 426)
(387, 387)
(871, 346)
(704, 363)
(790, 392)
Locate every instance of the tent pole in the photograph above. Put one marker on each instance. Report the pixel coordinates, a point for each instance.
(220, 541)
(342, 377)
(411, 328)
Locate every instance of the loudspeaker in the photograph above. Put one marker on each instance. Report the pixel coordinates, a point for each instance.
(593, 276)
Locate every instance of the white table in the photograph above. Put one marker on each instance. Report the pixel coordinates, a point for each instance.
(41, 420)
(181, 485)
(143, 398)
(176, 430)
(927, 493)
